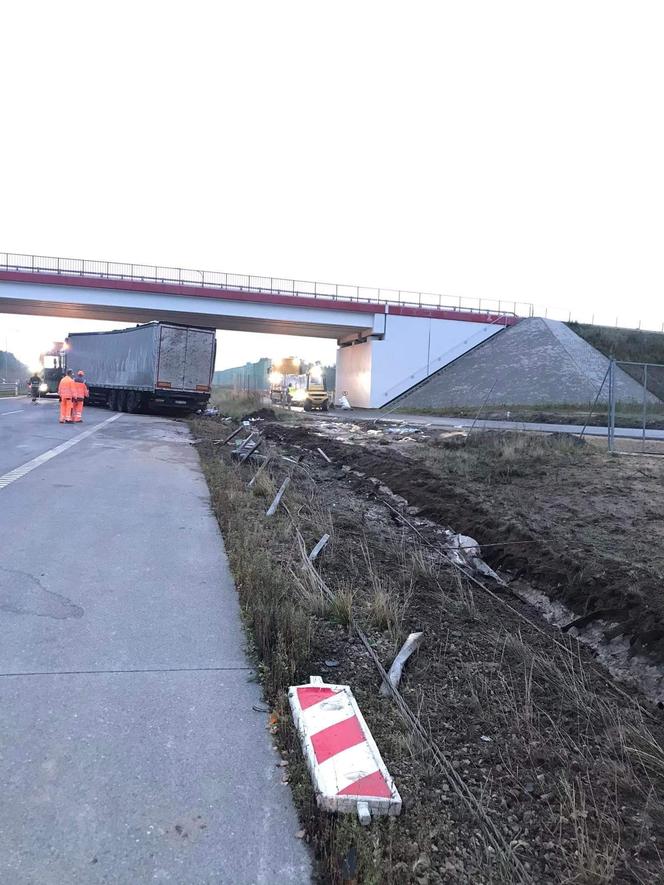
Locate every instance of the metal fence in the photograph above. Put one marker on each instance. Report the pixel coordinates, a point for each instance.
(9, 389)
(636, 424)
(179, 276)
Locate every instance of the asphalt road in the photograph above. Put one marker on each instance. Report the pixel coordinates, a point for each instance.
(129, 749)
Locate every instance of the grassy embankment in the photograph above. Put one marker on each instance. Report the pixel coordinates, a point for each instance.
(629, 345)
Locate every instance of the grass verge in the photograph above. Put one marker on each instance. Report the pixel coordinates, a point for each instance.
(568, 774)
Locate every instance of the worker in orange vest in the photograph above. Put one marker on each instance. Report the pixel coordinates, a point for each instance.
(81, 393)
(66, 392)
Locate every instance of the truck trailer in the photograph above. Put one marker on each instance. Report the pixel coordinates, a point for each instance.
(155, 366)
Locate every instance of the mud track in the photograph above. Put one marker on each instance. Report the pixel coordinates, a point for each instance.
(556, 545)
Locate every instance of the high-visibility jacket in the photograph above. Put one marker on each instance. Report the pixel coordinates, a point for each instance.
(80, 389)
(66, 388)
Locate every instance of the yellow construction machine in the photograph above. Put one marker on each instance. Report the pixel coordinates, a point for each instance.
(291, 386)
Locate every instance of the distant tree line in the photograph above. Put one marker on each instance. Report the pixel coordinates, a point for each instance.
(11, 369)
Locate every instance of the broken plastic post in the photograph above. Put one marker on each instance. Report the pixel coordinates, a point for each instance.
(273, 506)
(315, 680)
(410, 645)
(320, 451)
(319, 546)
(364, 813)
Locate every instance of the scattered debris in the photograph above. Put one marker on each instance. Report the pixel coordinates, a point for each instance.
(247, 447)
(261, 468)
(273, 506)
(222, 442)
(319, 546)
(465, 551)
(321, 452)
(394, 676)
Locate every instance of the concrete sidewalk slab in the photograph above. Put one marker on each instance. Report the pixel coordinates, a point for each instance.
(132, 753)
(135, 778)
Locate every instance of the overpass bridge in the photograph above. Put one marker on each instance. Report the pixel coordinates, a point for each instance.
(388, 340)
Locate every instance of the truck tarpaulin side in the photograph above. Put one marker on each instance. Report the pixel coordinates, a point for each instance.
(156, 364)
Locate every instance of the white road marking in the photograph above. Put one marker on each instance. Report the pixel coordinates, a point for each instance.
(18, 472)
(14, 412)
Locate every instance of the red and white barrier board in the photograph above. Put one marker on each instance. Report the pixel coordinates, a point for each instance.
(346, 767)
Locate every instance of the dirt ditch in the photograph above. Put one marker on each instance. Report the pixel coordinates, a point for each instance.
(585, 527)
(569, 772)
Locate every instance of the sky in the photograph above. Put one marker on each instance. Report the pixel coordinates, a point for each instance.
(506, 150)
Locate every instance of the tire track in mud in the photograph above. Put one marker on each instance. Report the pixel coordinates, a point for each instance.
(579, 576)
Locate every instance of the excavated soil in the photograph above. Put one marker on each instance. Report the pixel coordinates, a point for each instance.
(585, 527)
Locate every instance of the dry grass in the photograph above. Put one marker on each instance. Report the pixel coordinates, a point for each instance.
(236, 404)
(573, 765)
(497, 457)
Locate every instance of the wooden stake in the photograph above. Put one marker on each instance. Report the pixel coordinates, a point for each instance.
(262, 467)
(222, 442)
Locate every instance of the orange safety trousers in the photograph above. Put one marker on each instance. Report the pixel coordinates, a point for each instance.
(65, 408)
(77, 410)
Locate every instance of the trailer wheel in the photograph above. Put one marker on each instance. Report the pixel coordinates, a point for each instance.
(133, 401)
(307, 405)
(122, 401)
(113, 401)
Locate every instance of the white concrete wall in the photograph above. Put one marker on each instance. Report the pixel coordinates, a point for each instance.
(413, 348)
(354, 373)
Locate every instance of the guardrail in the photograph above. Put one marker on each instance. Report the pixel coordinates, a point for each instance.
(179, 276)
(9, 389)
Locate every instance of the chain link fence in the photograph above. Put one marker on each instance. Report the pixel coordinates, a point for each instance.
(636, 424)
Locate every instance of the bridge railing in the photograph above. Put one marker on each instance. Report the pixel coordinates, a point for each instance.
(240, 283)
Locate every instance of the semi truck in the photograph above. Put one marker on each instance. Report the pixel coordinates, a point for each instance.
(155, 366)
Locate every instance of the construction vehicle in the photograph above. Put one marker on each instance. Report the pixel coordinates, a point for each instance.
(52, 368)
(289, 385)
